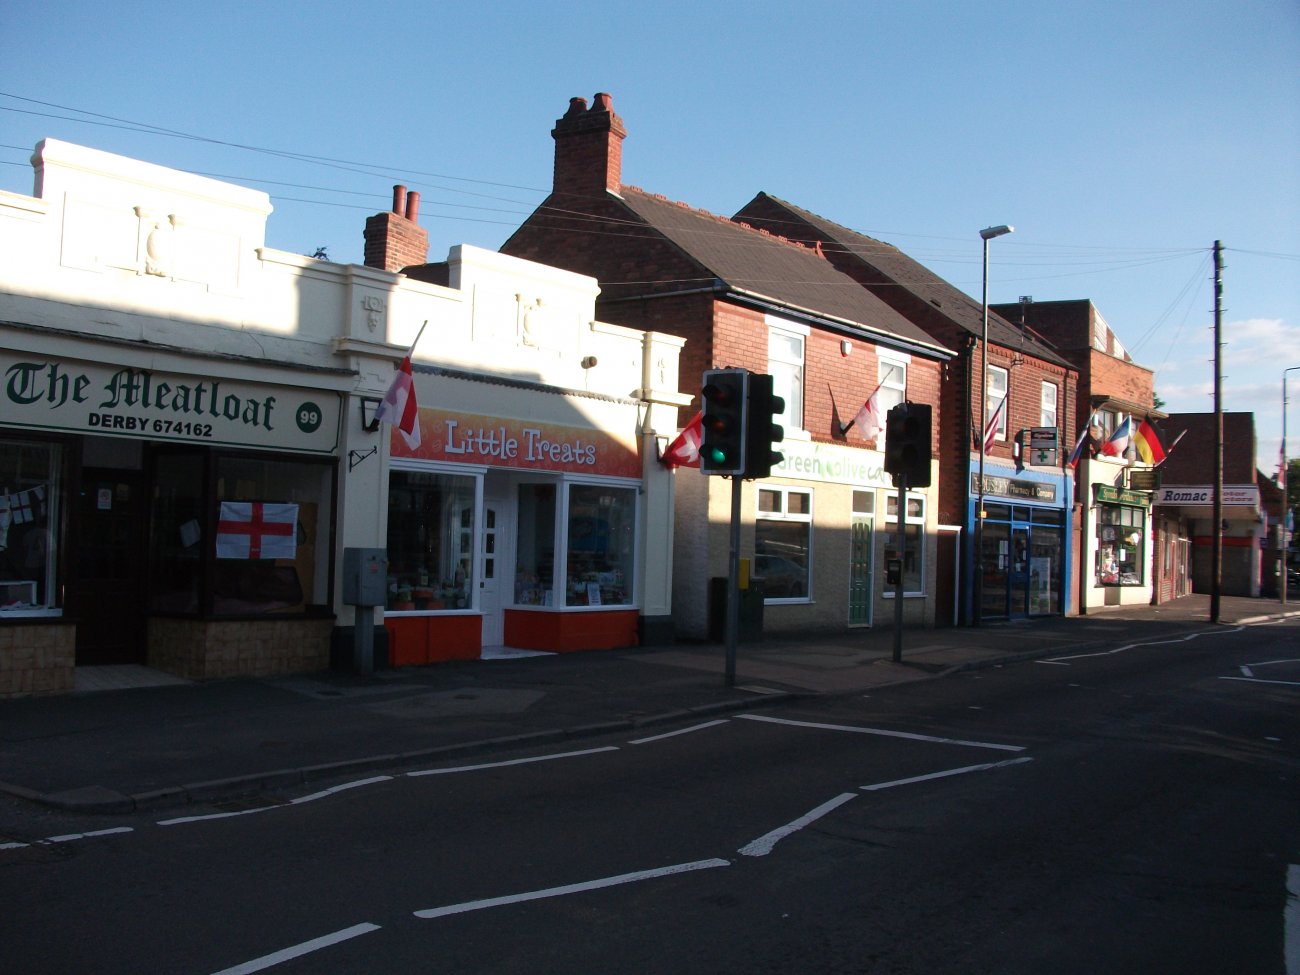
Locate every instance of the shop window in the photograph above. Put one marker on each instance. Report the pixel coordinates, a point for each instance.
(785, 363)
(601, 545)
(913, 557)
(997, 392)
(1121, 537)
(30, 488)
(783, 543)
(284, 509)
(535, 546)
(175, 532)
(430, 541)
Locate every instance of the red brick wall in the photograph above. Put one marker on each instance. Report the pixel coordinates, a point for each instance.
(393, 242)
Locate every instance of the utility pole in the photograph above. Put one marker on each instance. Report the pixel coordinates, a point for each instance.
(1216, 536)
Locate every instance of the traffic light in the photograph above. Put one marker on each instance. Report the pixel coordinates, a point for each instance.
(760, 430)
(722, 425)
(907, 444)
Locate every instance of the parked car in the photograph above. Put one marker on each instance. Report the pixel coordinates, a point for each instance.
(782, 578)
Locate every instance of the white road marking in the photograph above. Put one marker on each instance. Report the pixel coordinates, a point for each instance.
(513, 761)
(763, 845)
(679, 731)
(942, 775)
(297, 951)
(1129, 646)
(333, 790)
(1291, 921)
(67, 837)
(626, 878)
(883, 733)
(1246, 671)
(1261, 680)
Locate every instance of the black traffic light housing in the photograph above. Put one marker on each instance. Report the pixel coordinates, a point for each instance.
(761, 432)
(907, 444)
(722, 422)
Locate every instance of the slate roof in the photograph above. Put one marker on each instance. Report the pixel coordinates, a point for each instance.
(959, 307)
(759, 265)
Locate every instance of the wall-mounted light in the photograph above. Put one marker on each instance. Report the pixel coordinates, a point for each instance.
(588, 362)
(369, 414)
(845, 346)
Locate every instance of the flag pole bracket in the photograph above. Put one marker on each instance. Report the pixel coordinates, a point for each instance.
(355, 457)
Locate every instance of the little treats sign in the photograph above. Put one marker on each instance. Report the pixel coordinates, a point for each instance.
(80, 397)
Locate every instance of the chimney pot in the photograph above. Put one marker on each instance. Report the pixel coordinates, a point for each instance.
(602, 102)
(399, 198)
(413, 206)
(576, 106)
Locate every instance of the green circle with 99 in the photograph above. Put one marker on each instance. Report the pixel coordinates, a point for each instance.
(309, 417)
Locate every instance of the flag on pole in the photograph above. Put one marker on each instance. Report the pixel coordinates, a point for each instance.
(685, 450)
(867, 419)
(991, 428)
(398, 407)
(257, 530)
(1172, 446)
(1118, 442)
(1077, 452)
(1147, 443)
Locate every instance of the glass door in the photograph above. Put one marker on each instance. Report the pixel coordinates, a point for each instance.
(1018, 573)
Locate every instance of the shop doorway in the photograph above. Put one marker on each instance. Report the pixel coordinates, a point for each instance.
(494, 558)
(108, 567)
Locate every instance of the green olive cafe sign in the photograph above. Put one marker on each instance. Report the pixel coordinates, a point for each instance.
(80, 397)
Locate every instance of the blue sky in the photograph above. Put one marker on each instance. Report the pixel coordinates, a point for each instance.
(1120, 138)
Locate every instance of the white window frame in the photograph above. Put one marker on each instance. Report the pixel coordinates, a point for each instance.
(785, 515)
(788, 371)
(1047, 410)
(999, 383)
(891, 377)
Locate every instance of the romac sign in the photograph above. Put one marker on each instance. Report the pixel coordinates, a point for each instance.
(80, 397)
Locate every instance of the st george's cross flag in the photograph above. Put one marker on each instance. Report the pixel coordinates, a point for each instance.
(991, 428)
(685, 450)
(398, 407)
(257, 530)
(867, 419)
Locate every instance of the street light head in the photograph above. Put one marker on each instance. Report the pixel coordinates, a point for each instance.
(988, 233)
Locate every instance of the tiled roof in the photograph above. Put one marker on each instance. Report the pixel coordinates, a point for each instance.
(959, 307)
(764, 266)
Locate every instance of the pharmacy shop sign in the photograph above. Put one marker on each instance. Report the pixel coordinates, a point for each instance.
(43, 393)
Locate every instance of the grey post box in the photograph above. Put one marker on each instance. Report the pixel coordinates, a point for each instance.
(365, 576)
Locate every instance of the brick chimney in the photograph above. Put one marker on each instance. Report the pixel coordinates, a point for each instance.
(589, 148)
(394, 240)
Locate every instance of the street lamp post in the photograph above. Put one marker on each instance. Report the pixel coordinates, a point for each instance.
(987, 234)
(1285, 510)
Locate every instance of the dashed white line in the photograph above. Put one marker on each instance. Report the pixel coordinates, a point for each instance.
(679, 731)
(533, 895)
(884, 733)
(297, 951)
(764, 844)
(513, 761)
(324, 793)
(67, 837)
(944, 774)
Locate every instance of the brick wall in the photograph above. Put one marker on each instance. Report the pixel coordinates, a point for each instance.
(37, 659)
(206, 649)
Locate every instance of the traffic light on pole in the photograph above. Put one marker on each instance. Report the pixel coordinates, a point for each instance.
(761, 432)
(722, 424)
(907, 443)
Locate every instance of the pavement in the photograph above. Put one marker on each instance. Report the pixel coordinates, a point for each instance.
(141, 748)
